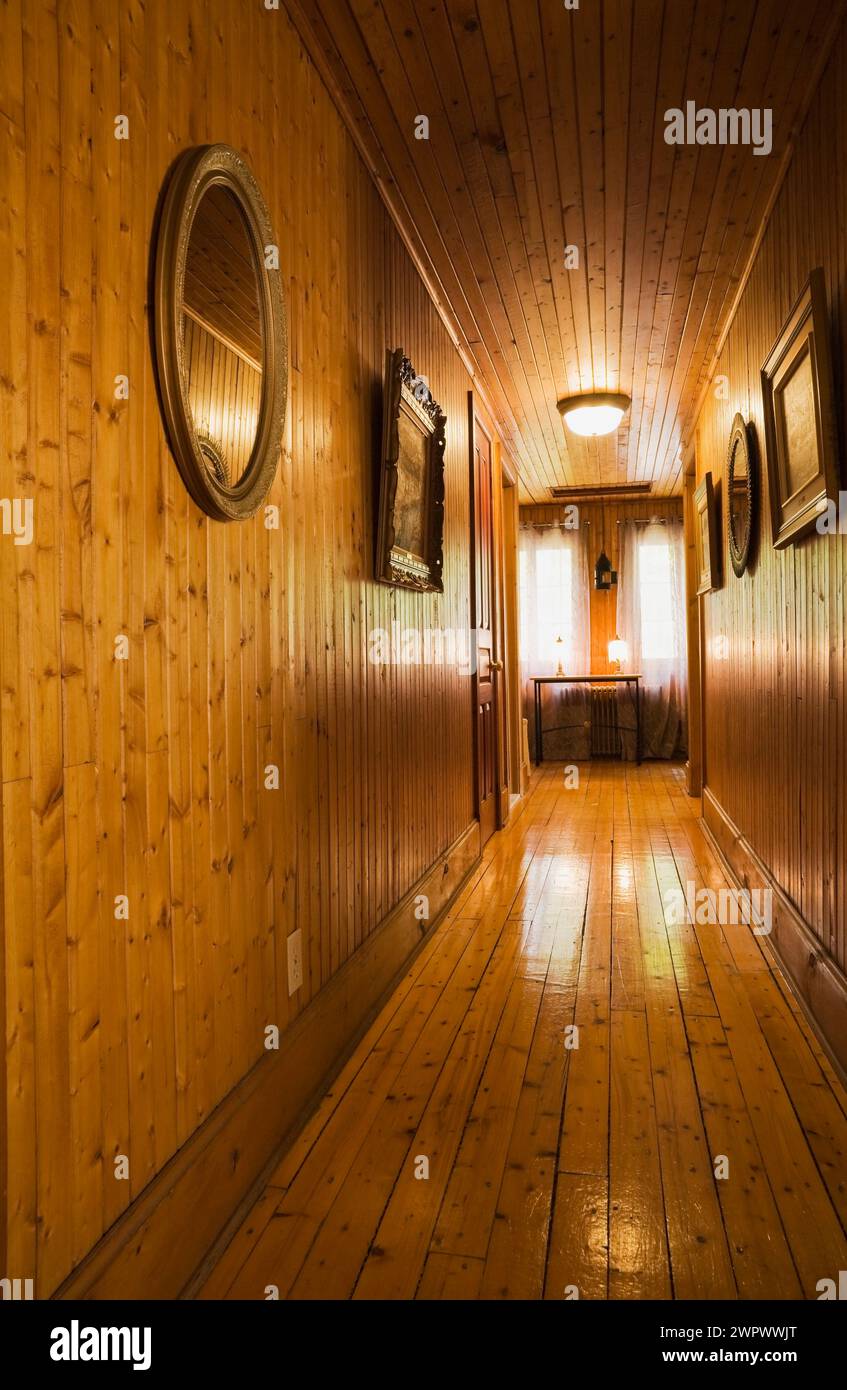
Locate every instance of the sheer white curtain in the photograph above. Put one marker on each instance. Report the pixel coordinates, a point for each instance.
(651, 620)
(554, 630)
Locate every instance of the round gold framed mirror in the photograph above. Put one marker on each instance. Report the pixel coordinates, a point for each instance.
(741, 483)
(220, 332)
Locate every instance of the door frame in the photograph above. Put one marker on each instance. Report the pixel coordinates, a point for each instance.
(478, 418)
(513, 714)
(695, 767)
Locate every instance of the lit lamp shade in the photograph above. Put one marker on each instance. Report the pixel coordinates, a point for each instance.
(618, 651)
(599, 413)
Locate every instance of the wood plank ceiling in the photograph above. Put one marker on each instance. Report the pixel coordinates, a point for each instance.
(546, 130)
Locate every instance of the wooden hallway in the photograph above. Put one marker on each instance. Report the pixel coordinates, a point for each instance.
(570, 1093)
(423, 676)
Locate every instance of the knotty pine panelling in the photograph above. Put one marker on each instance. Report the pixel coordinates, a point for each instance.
(247, 646)
(774, 688)
(217, 374)
(600, 522)
(547, 132)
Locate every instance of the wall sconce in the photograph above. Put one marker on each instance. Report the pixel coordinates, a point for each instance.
(604, 575)
(618, 653)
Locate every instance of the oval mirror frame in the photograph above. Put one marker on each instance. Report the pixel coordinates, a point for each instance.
(741, 445)
(194, 173)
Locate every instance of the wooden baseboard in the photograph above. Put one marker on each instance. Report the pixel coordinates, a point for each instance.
(820, 984)
(153, 1250)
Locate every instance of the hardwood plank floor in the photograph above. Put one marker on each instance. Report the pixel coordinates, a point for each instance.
(539, 1110)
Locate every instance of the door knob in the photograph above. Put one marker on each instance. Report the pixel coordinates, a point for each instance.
(496, 665)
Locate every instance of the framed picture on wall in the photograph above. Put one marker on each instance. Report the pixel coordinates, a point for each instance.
(800, 429)
(410, 528)
(706, 546)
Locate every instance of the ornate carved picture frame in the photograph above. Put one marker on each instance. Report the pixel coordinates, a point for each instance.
(706, 546)
(800, 429)
(199, 456)
(742, 489)
(410, 531)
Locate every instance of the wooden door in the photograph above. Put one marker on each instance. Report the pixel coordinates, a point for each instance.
(483, 619)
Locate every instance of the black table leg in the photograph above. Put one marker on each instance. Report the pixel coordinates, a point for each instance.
(539, 747)
(638, 723)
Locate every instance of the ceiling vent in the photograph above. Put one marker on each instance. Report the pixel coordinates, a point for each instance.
(585, 494)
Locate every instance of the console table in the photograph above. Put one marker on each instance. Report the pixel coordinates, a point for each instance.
(631, 681)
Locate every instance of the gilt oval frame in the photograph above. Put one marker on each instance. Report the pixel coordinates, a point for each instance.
(194, 173)
(740, 546)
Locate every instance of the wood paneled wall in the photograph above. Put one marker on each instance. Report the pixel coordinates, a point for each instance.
(775, 663)
(600, 522)
(225, 395)
(145, 777)
(547, 131)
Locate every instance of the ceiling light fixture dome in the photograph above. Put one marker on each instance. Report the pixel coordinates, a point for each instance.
(597, 413)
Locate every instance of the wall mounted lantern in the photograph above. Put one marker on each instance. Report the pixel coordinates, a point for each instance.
(604, 575)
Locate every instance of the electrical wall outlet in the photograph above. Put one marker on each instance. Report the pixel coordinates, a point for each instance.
(295, 961)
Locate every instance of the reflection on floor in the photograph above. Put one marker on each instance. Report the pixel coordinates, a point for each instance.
(686, 1139)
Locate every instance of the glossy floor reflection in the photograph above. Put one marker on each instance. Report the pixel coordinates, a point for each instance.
(569, 1091)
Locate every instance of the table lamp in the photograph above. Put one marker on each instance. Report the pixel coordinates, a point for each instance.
(618, 652)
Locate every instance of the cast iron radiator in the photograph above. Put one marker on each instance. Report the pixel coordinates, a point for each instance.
(605, 738)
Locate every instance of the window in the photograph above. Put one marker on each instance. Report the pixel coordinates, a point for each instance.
(548, 604)
(658, 636)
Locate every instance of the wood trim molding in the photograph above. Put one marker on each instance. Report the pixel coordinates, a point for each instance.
(500, 649)
(820, 984)
(159, 1242)
(693, 643)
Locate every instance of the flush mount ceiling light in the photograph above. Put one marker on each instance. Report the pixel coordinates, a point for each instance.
(599, 413)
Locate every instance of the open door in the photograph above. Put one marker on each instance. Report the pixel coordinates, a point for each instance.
(486, 684)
